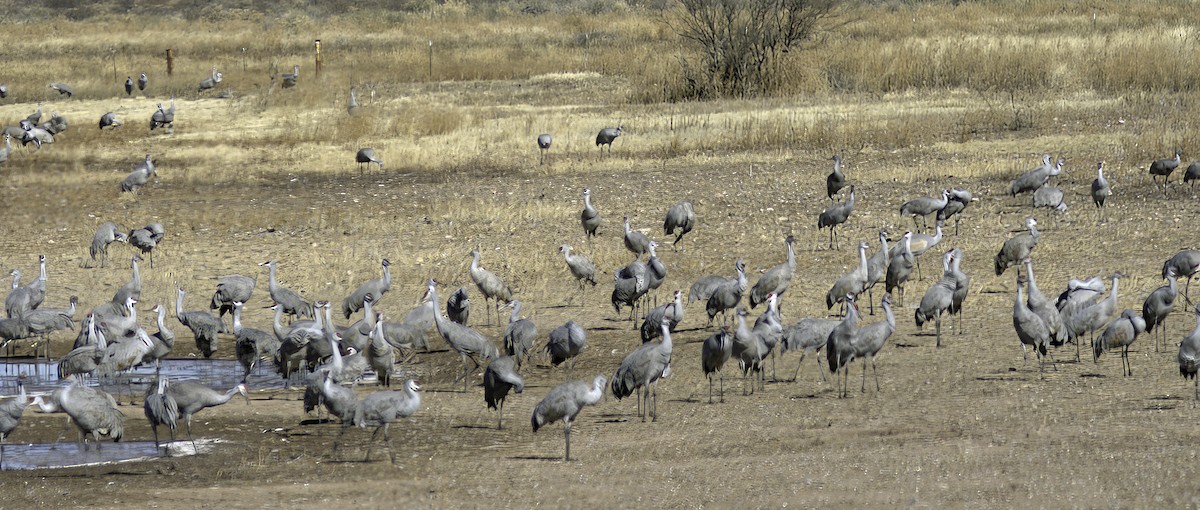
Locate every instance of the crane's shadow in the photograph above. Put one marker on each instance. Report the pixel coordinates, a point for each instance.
(544, 458)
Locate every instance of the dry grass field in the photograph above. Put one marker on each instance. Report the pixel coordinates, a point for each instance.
(917, 97)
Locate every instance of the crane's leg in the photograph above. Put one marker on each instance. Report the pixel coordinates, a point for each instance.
(710, 381)
(917, 260)
(371, 442)
(387, 438)
(831, 238)
(938, 322)
(188, 422)
(1024, 353)
(960, 314)
(722, 386)
(567, 435)
(337, 442)
(1125, 359)
(646, 401)
(875, 371)
(500, 415)
(654, 392)
(864, 377)
(796, 374)
(774, 378)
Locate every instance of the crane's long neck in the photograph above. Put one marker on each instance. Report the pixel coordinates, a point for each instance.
(587, 200)
(225, 397)
(132, 312)
(1113, 297)
(516, 312)
(179, 303)
(887, 313)
(137, 274)
(377, 339)
(42, 269)
(1019, 304)
(71, 306)
(16, 279)
(368, 311)
(850, 201)
(273, 283)
(1172, 283)
(666, 345)
(336, 352)
(387, 276)
(1033, 231)
(741, 277)
(944, 200)
(862, 258)
(237, 320)
(330, 331)
(1029, 272)
(437, 309)
(475, 262)
(595, 392)
(162, 323)
(741, 327)
(277, 324)
(791, 256)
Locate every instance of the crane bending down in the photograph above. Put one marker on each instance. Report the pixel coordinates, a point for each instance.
(565, 402)
(500, 377)
(681, 217)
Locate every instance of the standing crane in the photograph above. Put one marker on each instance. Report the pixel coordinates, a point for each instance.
(1189, 357)
(672, 312)
(290, 302)
(900, 267)
(581, 268)
(352, 103)
(565, 344)
(728, 294)
(380, 354)
(630, 283)
(231, 289)
(962, 286)
(657, 272)
(93, 411)
(749, 347)
(251, 344)
(128, 85)
(936, 301)
(1101, 191)
(160, 408)
(606, 136)
(519, 334)
(681, 217)
(808, 335)
(839, 346)
(1093, 317)
(717, 350)
(467, 342)
(589, 217)
(851, 283)
(1164, 167)
(565, 402)
(11, 412)
(458, 306)
(1191, 175)
(871, 339)
(1158, 306)
(836, 180)
(490, 285)
(1120, 334)
(835, 215)
(500, 377)
(289, 79)
(544, 140)
(642, 368)
(924, 206)
(205, 326)
(1031, 330)
(1032, 179)
(376, 287)
(380, 409)
(877, 266)
(1017, 248)
(1186, 263)
(146, 239)
(777, 279)
(109, 119)
(191, 398)
(142, 81)
(636, 241)
(959, 200)
(366, 156)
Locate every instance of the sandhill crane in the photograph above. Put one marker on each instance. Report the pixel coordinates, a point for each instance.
(1158, 306)
(366, 155)
(204, 325)
(129, 92)
(924, 206)
(1043, 308)
(936, 301)
(142, 81)
(162, 341)
(808, 335)
(543, 141)
(839, 346)
(63, 89)
(44, 321)
(290, 302)
(1094, 317)
(345, 369)
(109, 119)
(519, 334)
(852, 282)
(1164, 167)
(1120, 333)
(770, 330)
(380, 409)
(871, 339)
(163, 118)
(672, 312)
(142, 171)
(1192, 174)
(920, 244)
(16, 328)
(1186, 263)
(717, 349)
(581, 267)
(900, 267)
(500, 377)
(630, 283)
(1017, 248)
(589, 217)
(777, 279)
(877, 266)
(289, 79)
(192, 397)
(490, 285)
(36, 135)
(642, 368)
(230, 289)
(160, 407)
(57, 124)
(468, 343)
(681, 217)
(749, 348)
(657, 272)
(117, 324)
(959, 200)
(3, 91)
(338, 400)
(376, 288)
(606, 136)
(29, 297)
(210, 82)
(251, 344)
(1189, 357)
(35, 117)
(836, 180)
(352, 103)
(84, 359)
(1032, 179)
(835, 215)
(6, 151)
(636, 242)
(564, 402)
(1101, 191)
(11, 412)
(92, 411)
(565, 343)
(458, 307)
(1050, 197)
(380, 355)
(1031, 330)
(728, 294)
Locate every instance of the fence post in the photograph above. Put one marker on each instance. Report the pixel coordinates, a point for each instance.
(170, 62)
(317, 45)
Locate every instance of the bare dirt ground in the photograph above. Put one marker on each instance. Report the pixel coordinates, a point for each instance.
(971, 424)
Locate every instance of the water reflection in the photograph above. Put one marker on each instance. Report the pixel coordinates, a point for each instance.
(58, 455)
(42, 376)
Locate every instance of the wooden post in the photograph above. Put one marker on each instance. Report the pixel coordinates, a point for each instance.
(170, 62)
(431, 59)
(317, 46)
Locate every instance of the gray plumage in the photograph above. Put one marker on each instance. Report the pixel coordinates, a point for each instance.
(35, 135)
(162, 341)
(11, 411)
(920, 244)
(962, 286)
(231, 289)
(139, 176)
(44, 321)
(1030, 328)
(500, 377)
(1158, 306)
(959, 200)
(936, 301)
(565, 343)
(292, 303)
(775, 280)
(704, 287)
(366, 155)
(924, 206)
(129, 85)
(544, 140)
(84, 359)
(352, 103)
(163, 118)
(377, 288)
(877, 265)
(1191, 175)
(581, 267)
(1186, 264)
(132, 288)
(380, 409)
(125, 353)
(142, 81)
(15, 328)
(589, 217)
(839, 346)
(490, 285)
(672, 312)
(250, 344)
(289, 79)
(681, 217)
(106, 234)
(1120, 334)
(770, 330)
(192, 397)
(57, 124)
(1034, 178)
(727, 295)
(656, 271)
(900, 267)
(606, 136)
(1101, 191)
(36, 116)
(716, 350)
(204, 325)
(160, 407)
(117, 322)
(565, 402)
(63, 89)
(211, 81)
(808, 335)
(835, 215)
(836, 180)
(871, 339)
(6, 151)
(749, 348)
(519, 334)
(458, 307)
(636, 242)
(93, 411)
(358, 334)
(1050, 197)
(1093, 317)
(1189, 357)
(146, 239)
(1018, 247)
(853, 282)
(110, 119)
(338, 400)
(468, 343)
(642, 369)
(629, 284)
(380, 355)
(1164, 167)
